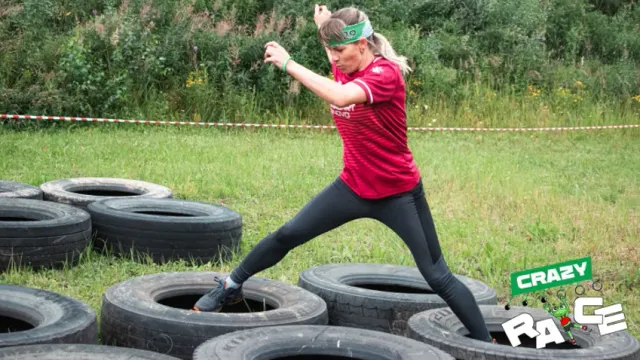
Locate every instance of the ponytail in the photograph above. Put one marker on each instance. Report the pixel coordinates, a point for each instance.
(382, 47)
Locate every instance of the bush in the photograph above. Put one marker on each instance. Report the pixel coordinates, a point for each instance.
(202, 59)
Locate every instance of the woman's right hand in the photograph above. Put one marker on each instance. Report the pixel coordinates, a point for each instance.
(321, 15)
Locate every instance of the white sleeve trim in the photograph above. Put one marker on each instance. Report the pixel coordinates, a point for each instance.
(368, 90)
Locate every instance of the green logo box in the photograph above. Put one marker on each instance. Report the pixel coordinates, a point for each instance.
(549, 276)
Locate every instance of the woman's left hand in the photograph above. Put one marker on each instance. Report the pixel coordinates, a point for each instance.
(275, 54)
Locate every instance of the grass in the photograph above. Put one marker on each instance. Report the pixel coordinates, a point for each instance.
(479, 106)
(502, 202)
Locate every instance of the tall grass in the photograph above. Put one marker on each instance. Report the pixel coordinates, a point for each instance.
(574, 61)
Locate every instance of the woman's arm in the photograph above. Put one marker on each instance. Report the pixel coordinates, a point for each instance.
(321, 15)
(330, 91)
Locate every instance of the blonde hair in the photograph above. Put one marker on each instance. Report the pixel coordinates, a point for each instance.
(378, 43)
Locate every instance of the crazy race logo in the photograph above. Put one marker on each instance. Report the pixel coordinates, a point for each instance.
(609, 319)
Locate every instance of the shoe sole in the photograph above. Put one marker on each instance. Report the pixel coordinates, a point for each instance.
(237, 301)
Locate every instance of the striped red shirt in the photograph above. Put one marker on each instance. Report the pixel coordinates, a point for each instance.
(377, 159)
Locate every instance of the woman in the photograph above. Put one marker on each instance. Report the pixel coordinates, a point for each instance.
(379, 180)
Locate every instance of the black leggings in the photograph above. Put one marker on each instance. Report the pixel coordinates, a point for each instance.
(407, 214)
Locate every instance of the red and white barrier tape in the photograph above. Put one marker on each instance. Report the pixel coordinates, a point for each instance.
(193, 123)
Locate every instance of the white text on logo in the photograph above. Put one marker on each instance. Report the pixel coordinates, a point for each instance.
(546, 331)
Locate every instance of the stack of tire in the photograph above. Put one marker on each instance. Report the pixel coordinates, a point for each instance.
(39, 233)
(55, 223)
(336, 311)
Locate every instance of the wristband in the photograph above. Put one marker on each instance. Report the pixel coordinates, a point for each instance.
(284, 64)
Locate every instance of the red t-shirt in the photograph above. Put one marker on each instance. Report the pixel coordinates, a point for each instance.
(377, 159)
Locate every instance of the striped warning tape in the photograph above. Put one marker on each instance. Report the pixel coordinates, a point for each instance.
(193, 123)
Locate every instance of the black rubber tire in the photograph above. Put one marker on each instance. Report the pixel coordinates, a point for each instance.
(131, 315)
(78, 352)
(379, 310)
(66, 190)
(13, 189)
(59, 233)
(441, 328)
(208, 232)
(55, 318)
(309, 340)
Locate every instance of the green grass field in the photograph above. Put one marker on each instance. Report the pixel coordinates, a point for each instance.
(502, 202)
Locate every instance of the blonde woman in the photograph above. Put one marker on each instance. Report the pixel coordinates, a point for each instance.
(379, 180)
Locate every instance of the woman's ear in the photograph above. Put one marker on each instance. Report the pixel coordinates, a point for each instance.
(362, 45)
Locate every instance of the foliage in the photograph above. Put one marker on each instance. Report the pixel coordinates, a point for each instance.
(120, 58)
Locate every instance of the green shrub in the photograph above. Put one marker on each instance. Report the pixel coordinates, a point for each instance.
(203, 59)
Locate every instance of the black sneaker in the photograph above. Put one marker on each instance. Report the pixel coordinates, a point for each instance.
(216, 298)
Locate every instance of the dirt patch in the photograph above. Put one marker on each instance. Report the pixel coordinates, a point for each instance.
(10, 10)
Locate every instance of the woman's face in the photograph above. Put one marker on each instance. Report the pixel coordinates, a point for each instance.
(348, 57)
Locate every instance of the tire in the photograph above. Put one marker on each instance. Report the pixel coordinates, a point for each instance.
(134, 313)
(385, 311)
(12, 189)
(41, 234)
(81, 192)
(441, 328)
(78, 352)
(167, 229)
(298, 341)
(32, 316)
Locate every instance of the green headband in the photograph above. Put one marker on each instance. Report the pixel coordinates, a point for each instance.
(353, 33)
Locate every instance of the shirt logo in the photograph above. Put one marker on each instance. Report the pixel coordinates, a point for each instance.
(343, 112)
(377, 70)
